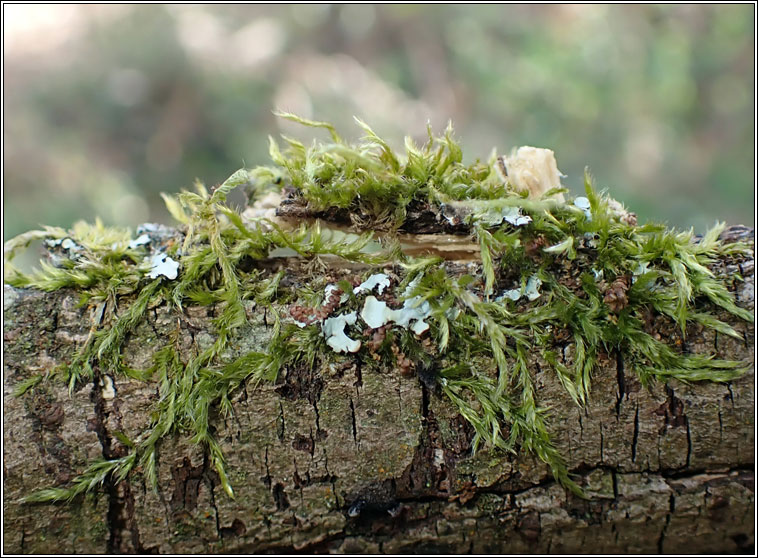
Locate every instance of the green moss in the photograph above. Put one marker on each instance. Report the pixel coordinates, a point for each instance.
(372, 182)
(479, 356)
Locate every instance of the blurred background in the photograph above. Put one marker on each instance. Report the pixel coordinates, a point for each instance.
(108, 105)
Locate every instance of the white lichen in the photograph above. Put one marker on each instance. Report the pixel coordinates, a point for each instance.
(493, 216)
(412, 311)
(512, 294)
(148, 227)
(516, 219)
(419, 327)
(531, 291)
(70, 245)
(380, 281)
(139, 241)
(334, 332)
(376, 313)
(584, 204)
(161, 264)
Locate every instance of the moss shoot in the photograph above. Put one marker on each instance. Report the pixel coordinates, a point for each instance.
(479, 322)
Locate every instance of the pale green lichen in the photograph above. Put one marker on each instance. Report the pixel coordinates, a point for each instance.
(483, 335)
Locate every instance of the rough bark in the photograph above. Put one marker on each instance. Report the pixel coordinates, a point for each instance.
(362, 462)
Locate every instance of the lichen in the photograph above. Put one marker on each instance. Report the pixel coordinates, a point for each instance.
(378, 281)
(555, 264)
(334, 332)
(162, 265)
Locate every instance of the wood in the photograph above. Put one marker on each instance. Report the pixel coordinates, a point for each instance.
(353, 461)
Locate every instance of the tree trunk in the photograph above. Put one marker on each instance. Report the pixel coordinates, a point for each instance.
(356, 461)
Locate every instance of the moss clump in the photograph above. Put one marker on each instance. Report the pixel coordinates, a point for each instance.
(524, 293)
(374, 184)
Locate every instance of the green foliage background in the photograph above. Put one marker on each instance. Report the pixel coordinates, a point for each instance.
(106, 106)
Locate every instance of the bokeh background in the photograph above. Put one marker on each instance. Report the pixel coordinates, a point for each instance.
(106, 105)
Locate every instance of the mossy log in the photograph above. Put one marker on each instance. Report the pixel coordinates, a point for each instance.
(350, 460)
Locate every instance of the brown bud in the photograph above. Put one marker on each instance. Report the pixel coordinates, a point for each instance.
(630, 219)
(615, 296)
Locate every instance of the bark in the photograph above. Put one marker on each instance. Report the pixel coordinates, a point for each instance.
(353, 461)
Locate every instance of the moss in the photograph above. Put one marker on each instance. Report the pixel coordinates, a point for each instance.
(600, 276)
